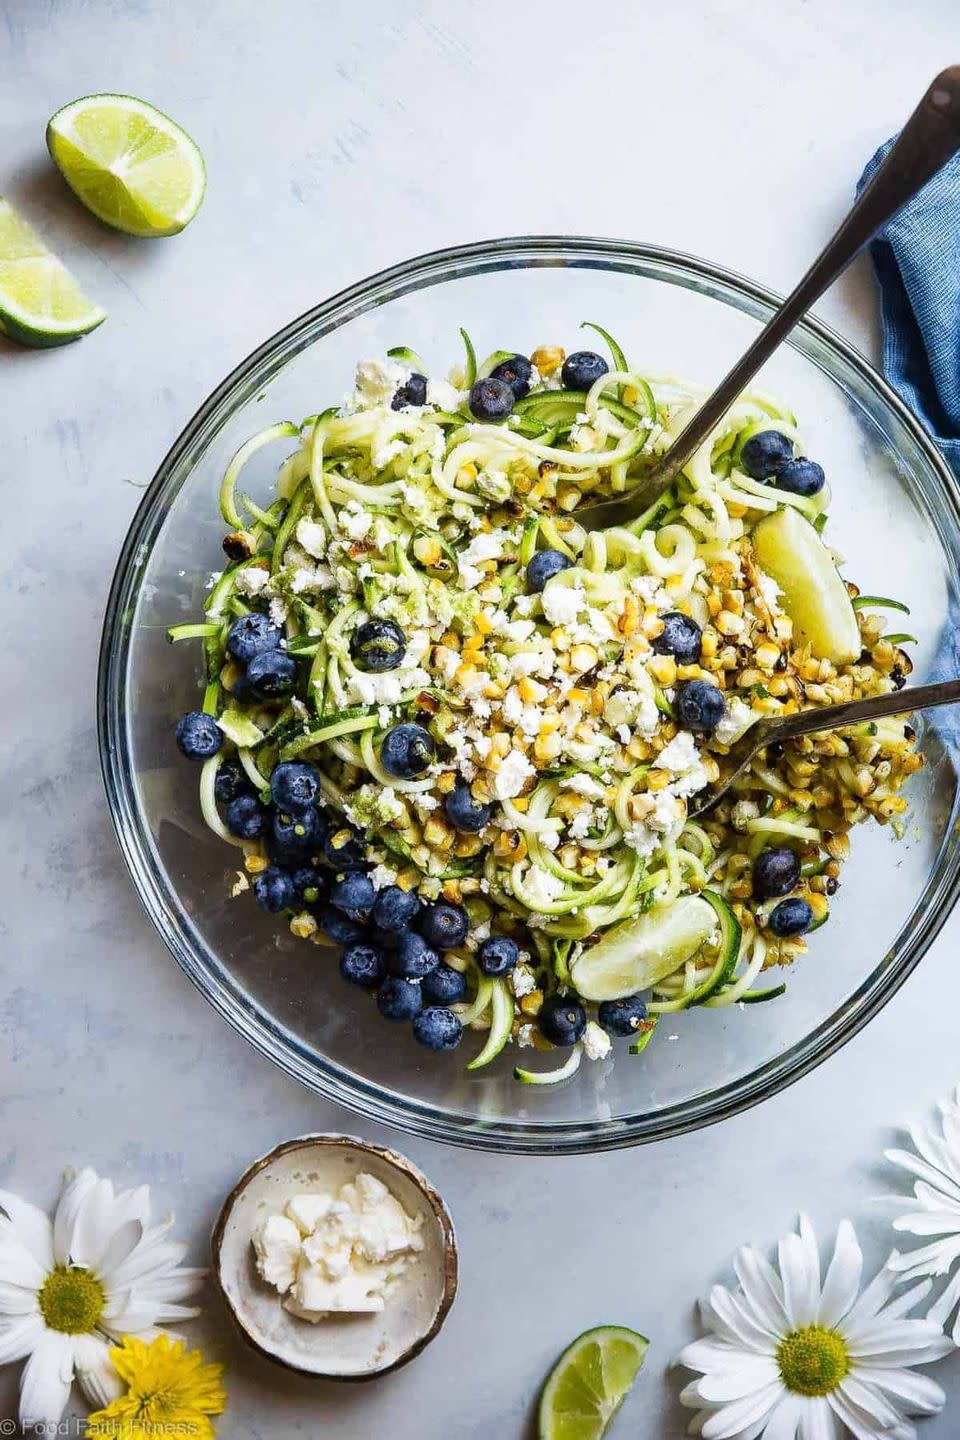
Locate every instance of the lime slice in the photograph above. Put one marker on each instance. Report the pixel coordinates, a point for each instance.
(638, 953)
(128, 163)
(789, 549)
(589, 1383)
(40, 302)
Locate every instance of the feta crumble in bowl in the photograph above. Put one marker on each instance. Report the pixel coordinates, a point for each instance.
(284, 993)
(336, 1258)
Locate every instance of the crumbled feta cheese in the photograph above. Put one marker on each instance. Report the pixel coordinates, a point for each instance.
(444, 395)
(770, 591)
(276, 1243)
(522, 981)
(735, 721)
(682, 758)
(278, 611)
(378, 381)
(495, 484)
(354, 520)
(562, 603)
(515, 770)
(312, 537)
(252, 579)
(525, 1036)
(596, 1041)
(541, 886)
(582, 823)
(742, 812)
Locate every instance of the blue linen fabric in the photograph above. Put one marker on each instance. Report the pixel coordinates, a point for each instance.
(916, 259)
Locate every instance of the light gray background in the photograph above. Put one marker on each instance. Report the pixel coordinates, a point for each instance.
(341, 137)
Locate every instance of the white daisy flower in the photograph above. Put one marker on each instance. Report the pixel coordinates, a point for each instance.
(790, 1357)
(71, 1288)
(936, 1166)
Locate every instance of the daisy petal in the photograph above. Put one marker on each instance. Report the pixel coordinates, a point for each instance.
(817, 1421)
(17, 1299)
(19, 1337)
(98, 1379)
(731, 1420)
(46, 1380)
(760, 1282)
(923, 1171)
(743, 1376)
(785, 1420)
(738, 1324)
(123, 1243)
(66, 1213)
(29, 1226)
(800, 1273)
(945, 1302)
(857, 1421)
(93, 1225)
(870, 1399)
(845, 1272)
(920, 1394)
(708, 1354)
(18, 1266)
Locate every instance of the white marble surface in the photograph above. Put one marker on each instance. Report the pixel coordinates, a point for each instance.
(339, 138)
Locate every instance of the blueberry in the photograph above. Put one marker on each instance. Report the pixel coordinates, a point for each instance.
(562, 1020)
(399, 999)
(231, 781)
(497, 955)
(544, 564)
(338, 927)
(246, 817)
(463, 811)
(766, 454)
(582, 369)
(274, 889)
(790, 917)
(294, 838)
(395, 909)
(699, 706)
(680, 637)
(411, 392)
(363, 965)
(775, 872)
(251, 634)
(344, 846)
(444, 926)
(354, 894)
(198, 735)
(310, 884)
(491, 399)
(378, 645)
(801, 477)
(622, 1017)
(516, 372)
(407, 750)
(272, 673)
(437, 1028)
(294, 786)
(444, 986)
(413, 957)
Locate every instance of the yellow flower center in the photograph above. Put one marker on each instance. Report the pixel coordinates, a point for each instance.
(71, 1300)
(813, 1360)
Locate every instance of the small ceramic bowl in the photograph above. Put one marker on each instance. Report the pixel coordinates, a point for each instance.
(353, 1347)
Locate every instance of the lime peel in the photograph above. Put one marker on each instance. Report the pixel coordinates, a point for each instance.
(41, 303)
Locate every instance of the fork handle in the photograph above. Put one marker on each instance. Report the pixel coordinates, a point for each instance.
(853, 712)
(927, 141)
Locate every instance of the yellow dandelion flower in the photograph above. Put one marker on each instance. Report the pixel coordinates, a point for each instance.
(169, 1388)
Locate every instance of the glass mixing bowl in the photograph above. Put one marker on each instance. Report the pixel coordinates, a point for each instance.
(895, 516)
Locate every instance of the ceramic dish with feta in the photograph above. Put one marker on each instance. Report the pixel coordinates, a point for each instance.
(457, 735)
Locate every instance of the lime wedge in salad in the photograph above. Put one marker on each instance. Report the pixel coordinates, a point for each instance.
(639, 953)
(40, 302)
(129, 163)
(789, 549)
(589, 1383)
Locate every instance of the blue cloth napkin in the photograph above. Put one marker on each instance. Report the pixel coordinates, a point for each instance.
(916, 258)
(917, 263)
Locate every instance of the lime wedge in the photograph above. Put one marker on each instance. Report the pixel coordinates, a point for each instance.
(589, 1383)
(40, 302)
(635, 955)
(128, 163)
(789, 549)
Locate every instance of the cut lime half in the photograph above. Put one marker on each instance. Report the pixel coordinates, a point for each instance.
(129, 163)
(589, 1383)
(40, 302)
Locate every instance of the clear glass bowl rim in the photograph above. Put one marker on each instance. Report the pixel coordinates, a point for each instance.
(327, 1079)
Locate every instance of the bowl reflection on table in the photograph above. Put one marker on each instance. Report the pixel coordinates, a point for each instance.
(895, 515)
